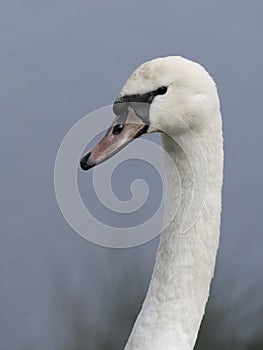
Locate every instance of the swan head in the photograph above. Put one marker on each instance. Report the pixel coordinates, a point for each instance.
(170, 95)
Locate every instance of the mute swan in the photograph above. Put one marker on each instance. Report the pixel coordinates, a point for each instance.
(174, 89)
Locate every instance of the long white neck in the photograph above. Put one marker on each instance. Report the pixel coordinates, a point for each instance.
(175, 303)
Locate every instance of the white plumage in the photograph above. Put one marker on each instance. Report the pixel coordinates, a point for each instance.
(175, 303)
(183, 104)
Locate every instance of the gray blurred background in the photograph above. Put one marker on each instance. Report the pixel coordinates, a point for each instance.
(61, 60)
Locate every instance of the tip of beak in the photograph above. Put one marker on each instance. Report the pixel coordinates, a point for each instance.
(84, 162)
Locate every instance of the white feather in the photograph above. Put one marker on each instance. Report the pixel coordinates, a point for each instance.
(175, 303)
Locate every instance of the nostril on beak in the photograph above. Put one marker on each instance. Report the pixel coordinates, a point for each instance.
(84, 162)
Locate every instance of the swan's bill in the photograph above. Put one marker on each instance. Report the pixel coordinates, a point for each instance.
(125, 128)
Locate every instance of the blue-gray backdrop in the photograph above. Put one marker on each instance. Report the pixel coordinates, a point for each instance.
(62, 59)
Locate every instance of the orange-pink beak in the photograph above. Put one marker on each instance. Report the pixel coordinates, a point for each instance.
(118, 136)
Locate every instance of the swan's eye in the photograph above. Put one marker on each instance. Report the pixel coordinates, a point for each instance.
(161, 91)
(117, 129)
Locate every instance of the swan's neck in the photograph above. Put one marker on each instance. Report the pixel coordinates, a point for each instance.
(175, 303)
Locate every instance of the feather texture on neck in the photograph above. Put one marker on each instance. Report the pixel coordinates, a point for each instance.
(175, 303)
